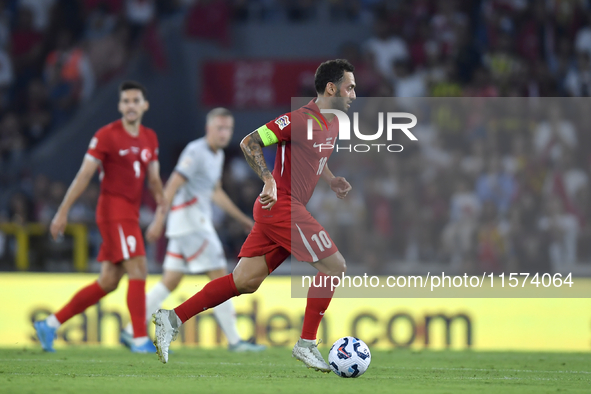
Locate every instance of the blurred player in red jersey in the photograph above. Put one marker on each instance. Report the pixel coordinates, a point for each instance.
(124, 152)
(283, 226)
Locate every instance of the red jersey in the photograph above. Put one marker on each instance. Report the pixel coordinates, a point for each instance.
(124, 164)
(299, 162)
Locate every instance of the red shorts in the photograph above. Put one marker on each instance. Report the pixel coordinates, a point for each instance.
(122, 240)
(304, 237)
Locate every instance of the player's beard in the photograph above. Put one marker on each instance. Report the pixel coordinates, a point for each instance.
(340, 102)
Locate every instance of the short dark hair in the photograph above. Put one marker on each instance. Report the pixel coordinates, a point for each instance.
(331, 71)
(128, 85)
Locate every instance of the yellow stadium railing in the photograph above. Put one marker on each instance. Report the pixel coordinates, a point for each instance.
(22, 234)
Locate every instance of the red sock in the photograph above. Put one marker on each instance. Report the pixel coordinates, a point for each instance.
(86, 297)
(213, 294)
(136, 303)
(318, 302)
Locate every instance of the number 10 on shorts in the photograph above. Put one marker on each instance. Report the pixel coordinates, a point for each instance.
(321, 239)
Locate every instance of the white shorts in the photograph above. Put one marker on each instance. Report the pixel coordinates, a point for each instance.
(195, 253)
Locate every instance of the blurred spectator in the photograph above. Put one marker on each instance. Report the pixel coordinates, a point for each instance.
(560, 64)
(68, 65)
(431, 222)
(446, 23)
(473, 164)
(5, 22)
(100, 23)
(69, 76)
(12, 141)
(382, 198)
(491, 236)
(502, 61)
(108, 54)
(210, 20)
(435, 156)
(564, 183)
(49, 207)
(408, 83)
(143, 27)
(40, 195)
(36, 117)
(577, 82)
(386, 48)
(349, 222)
(6, 78)
(535, 80)
(496, 186)
(469, 61)
(506, 121)
(554, 137)
(535, 33)
(139, 13)
(583, 38)
(516, 159)
(560, 229)
(41, 10)
(420, 44)
(457, 236)
(523, 241)
(26, 44)
(582, 201)
(366, 75)
(20, 210)
(445, 81)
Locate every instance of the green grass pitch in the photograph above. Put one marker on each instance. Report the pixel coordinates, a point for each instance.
(98, 370)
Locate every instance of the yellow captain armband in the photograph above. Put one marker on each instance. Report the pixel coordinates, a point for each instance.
(267, 136)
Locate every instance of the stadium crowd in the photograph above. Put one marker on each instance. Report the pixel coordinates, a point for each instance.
(53, 55)
(506, 187)
(501, 186)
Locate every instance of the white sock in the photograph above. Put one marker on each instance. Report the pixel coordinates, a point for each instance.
(52, 321)
(225, 314)
(154, 300)
(140, 341)
(307, 341)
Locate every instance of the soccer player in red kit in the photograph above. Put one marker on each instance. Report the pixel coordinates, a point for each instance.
(283, 226)
(125, 152)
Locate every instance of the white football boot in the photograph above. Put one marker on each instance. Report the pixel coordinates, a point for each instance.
(167, 328)
(308, 353)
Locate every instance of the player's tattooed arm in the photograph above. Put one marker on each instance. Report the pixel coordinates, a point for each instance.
(252, 146)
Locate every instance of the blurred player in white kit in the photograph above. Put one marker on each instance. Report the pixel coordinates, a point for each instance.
(194, 246)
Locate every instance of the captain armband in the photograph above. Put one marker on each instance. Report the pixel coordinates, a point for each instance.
(267, 136)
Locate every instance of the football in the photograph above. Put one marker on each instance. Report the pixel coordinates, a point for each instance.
(349, 357)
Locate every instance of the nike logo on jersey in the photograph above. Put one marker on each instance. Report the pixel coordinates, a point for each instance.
(123, 152)
(323, 146)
